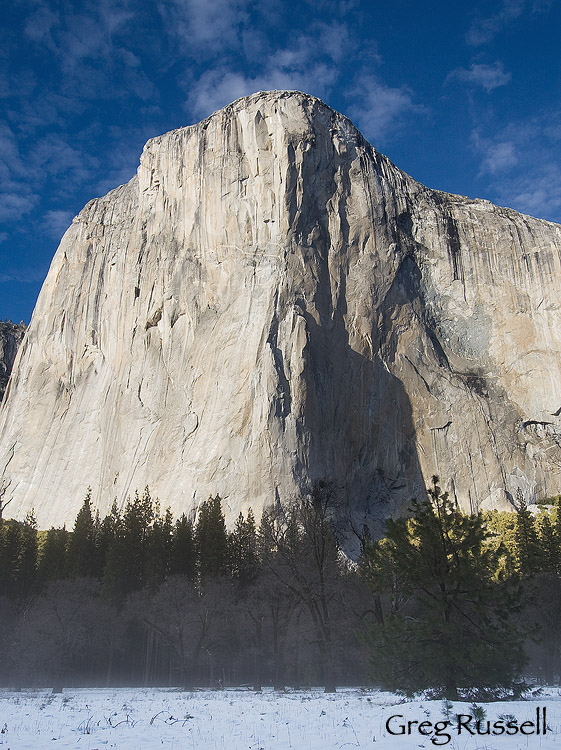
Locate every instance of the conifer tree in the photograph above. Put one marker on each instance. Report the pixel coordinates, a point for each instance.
(452, 634)
(211, 540)
(105, 533)
(10, 548)
(555, 519)
(244, 558)
(528, 551)
(549, 545)
(159, 548)
(183, 556)
(51, 565)
(501, 528)
(27, 563)
(125, 569)
(81, 553)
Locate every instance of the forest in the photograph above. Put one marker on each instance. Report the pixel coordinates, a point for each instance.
(453, 604)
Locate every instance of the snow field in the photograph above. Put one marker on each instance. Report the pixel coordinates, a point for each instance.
(153, 719)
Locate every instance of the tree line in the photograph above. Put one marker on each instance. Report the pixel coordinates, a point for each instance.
(457, 604)
(138, 598)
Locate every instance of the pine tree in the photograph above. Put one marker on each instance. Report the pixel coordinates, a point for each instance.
(556, 516)
(452, 633)
(159, 549)
(244, 558)
(501, 527)
(549, 545)
(211, 540)
(27, 563)
(125, 569)
(183, 557)
(528, 551)
(51, 564)
(105, 533)
(10, 548)
(81, 553)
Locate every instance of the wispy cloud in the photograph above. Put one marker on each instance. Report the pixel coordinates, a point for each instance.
(308, 64)
(498, 157)
(17, 197)
(516, 163)
(536, 193)
(484, 29)
(86, 59)
(11, 160)
(87, 49)
(13, 205)
(30, 276)
(489, 77)
(54, 156)
(57, 222)
(205, 25)
(382, 108)
(40, 24)
(311, 63)
(122, 160)
(216, 88)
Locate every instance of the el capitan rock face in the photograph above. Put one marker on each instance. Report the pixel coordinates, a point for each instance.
(270, 302)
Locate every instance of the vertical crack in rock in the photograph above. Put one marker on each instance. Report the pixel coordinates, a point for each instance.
(453, 239)
(282, 398)
(11, 336)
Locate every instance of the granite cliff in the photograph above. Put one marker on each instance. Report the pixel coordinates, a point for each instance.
(11, 336)
(270, 302)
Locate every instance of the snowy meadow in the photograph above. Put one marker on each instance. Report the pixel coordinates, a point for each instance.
(133, 719)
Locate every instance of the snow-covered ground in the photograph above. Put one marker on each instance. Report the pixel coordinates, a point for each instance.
(151, 719)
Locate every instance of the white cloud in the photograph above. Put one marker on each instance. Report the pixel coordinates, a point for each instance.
(306, 65)
(520, 167)
(484, 29)
(311, 63)
(10, 159)
(336, 40)
(54, 156)
(13, 206)
(217, 88)
(86, 47)
(205, 25)
(40, 24)
(57, 222)
(121, 162)
(537, 193)
(31, 276)
(498, 154)
(499, 157)
(488, 77)
(379, 108)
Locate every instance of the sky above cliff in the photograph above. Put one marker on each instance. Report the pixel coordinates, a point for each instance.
(464, 97)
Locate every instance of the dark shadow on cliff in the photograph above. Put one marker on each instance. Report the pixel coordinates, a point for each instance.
(357, 422)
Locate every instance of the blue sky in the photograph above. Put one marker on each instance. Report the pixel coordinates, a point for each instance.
(464, 97)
